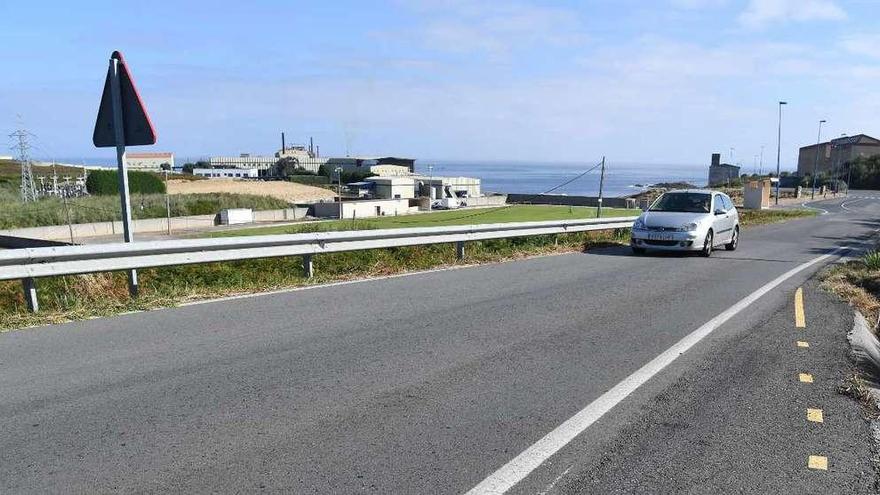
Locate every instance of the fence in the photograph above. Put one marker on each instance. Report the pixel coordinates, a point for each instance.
(30, 263)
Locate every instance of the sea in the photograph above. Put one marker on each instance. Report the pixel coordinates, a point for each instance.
(573, 179)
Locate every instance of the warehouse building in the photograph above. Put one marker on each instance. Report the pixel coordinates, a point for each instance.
(149, 161)
(836, 153)
(227, 173)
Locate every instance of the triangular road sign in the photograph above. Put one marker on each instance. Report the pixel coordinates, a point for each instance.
(136, 123)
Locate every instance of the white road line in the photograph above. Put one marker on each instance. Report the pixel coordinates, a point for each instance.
(517, 469)
(805, 205)
(843, 205)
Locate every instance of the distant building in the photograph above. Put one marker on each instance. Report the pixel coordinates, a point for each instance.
(149, 161)
(414, 186)
(836, 153)
(355, 164)
(227, 173)
(720, 173)
(261, 163)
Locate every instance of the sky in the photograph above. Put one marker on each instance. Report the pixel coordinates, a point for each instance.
(662, 81)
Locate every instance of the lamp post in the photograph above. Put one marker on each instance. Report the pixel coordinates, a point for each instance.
(338, 171)
(816, 162)
(779, 148)
(430, 187)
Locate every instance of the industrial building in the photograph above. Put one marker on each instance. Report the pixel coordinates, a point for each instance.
(414, 186)
(365, 208)
(149, 161)
(836, 153)
(227, 173)
(720, 173)
(245, 160)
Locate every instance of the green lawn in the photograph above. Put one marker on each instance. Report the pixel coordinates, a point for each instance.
(517, 213)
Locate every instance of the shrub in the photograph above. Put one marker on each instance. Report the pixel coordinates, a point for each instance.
(872, 260)
(106, 182)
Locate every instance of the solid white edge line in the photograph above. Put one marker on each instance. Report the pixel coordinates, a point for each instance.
(843, 205)
(522, 465)
(805, 205)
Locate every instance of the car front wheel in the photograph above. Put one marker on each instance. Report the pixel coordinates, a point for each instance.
(707, 245)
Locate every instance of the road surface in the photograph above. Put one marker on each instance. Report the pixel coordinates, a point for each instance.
(435, 382)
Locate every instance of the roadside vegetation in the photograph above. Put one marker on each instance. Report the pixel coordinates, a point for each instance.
(52, 211)
(858, 282)
(761, 217)
(104, 207)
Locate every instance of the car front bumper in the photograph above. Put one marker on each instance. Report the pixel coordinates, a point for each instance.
(666, 241)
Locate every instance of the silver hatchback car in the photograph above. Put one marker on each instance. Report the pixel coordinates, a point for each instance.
(687, 220)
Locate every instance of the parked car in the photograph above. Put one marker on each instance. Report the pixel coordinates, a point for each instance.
(687, 220)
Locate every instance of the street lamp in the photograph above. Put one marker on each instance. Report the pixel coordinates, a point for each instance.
(338, 171)
(430, 187)
(816, 162)
(779, 148)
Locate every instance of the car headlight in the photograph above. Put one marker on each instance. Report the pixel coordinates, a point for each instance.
(688, 227)
(639, 224)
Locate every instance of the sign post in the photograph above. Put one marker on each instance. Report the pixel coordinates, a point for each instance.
(123, 120)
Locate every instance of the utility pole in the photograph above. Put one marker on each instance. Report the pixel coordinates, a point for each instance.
(779, 149)
(67, 213)
(28, 188)
(339, 189)
(761, 163)
(168, 202)
(816, 162)
(601, 184)
(430, 187)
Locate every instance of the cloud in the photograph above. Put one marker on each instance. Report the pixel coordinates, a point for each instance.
(862, 44)
(495, 29)
(760, 13)
(697, 4)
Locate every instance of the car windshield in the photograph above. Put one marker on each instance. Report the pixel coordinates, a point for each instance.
(683, 202)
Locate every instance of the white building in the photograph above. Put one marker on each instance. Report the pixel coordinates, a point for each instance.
(366, 208)
(243, 161)
(227, 173)
(149, 160)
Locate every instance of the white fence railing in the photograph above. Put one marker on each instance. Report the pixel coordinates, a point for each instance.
(27, 264)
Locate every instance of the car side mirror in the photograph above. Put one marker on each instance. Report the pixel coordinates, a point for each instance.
(720, 211)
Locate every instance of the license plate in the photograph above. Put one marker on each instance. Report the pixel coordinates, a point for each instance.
(655, 236)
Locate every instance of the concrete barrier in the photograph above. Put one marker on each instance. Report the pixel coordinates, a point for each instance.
(559, 199)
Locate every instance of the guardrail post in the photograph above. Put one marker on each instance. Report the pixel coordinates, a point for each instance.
(308, 267)
(30, 294)
(459, 250)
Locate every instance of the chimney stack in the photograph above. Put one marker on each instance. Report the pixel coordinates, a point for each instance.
(282, 142)
(716, 159)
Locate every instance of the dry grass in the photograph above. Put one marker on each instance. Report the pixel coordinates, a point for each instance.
(856, 283)
(290, 192)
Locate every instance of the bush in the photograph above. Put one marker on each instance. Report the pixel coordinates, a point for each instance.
(872, 260)
(308, 179)
(106, 182)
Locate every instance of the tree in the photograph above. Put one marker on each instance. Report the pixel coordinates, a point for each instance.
(188, 168)
(165, 166)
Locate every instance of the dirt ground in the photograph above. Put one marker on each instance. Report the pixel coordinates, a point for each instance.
(288, 191)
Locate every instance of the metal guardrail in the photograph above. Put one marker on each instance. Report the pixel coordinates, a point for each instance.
(29, 263)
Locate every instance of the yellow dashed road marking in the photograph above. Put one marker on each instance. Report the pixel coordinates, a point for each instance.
(817, 462)
(799, 320)
(801, 343)
(805, 377)
(815, 415)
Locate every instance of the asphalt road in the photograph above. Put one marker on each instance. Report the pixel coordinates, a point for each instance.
(429, 383)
